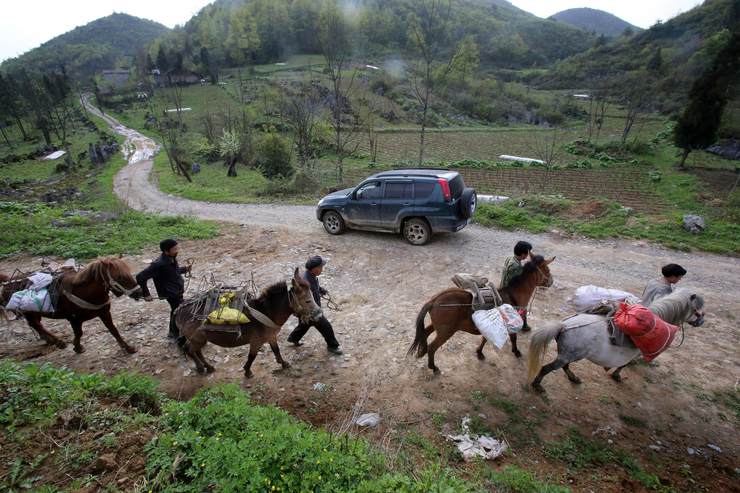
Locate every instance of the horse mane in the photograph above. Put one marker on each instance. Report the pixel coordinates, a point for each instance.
(676, 307)
(272, 290)
(96, 271)
(527, 270)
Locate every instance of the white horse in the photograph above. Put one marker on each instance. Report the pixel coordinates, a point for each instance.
(586, 336)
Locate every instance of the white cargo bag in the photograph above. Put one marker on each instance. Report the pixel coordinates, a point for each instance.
(513, 321)
(588, 297)
(491, 325)
(29, 300)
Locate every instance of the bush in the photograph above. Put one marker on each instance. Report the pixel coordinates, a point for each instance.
(274, 155)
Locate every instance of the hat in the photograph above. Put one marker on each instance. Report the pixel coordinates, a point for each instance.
(314, 262)
(165, 245)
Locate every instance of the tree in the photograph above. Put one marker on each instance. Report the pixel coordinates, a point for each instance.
(228, 148)
(10, 102)
(429, 35)
(334, 37)
(243, 39)
(655, 64)
(634, 92)
(274, 156)
(466, 58)
(303, 114)
(209, 65)
(698, 124)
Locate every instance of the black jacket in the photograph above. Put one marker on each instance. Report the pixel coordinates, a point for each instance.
(167, 277)
(316, 290)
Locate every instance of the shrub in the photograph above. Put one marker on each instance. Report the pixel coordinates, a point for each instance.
(274, 155)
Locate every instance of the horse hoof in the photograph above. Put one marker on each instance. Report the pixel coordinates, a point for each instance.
(129, 349)
(436, 371)
(201, 370)
(60, 344)
(480, 355)
(210, 369)
(285, 365)
(517, 353)
(78, 349)
(538, 388)
(616, 378)
(248, 374)
(576, 381)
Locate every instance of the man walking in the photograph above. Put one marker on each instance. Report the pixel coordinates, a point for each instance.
(657, 288)
(314, 268)
(168, 281)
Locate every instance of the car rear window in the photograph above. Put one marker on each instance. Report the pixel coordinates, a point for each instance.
(423, 189)
(456, 186)
(395, 190)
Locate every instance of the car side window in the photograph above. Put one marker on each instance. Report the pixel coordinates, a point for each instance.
(397, 190)
(369, 190)
(423, 189)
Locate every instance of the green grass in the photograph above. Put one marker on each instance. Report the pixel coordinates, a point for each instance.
(579, 452)
(219, 440)
(512, 479)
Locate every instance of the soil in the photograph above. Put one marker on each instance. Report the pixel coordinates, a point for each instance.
(380, 282)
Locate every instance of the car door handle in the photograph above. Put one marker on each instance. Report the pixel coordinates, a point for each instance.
(373, 203)
(407, 203)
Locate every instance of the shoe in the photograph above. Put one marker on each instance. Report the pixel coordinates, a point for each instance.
(526, 328)
(335, 350)
(173, 335)
(295, 343)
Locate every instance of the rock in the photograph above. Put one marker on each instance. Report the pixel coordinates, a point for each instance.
(690, 451)
(694, 224)
(714, 447)
(729, 149)
(106, 462)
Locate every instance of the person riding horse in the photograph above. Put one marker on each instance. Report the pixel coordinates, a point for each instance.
(512, 268)
(657, 288)
(168, 280)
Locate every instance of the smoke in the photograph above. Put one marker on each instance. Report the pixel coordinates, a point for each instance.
(395, 66)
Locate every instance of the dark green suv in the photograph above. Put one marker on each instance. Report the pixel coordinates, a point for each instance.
(414, 202)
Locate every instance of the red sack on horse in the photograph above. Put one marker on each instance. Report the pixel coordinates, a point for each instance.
(649, 332)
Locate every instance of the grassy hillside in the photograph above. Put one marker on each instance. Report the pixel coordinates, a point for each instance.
(87, 49)
(595, 21)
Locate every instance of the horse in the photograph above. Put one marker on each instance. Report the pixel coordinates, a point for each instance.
(587, 336)
(83, 296)
(451, 310)
(267, 314)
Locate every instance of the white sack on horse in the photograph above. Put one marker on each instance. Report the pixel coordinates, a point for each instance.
(30, 300)
(589, 297)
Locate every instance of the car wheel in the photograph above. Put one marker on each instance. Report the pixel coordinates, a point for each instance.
(468, 203)
(417, 231)
(333, 223)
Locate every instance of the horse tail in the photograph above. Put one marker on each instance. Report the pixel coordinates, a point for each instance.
(420, 341)
(537, 346)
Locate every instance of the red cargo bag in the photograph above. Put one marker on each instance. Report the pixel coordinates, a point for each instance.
(649, 332)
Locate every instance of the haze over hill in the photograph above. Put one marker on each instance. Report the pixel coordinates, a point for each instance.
(596, 21)
(103, 43)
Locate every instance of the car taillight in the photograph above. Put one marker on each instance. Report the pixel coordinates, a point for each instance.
(445, 189)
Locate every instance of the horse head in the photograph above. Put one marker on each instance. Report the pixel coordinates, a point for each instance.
(696, 306)
(114, 274)
(680, 306)
(301, 299)
(543, 268)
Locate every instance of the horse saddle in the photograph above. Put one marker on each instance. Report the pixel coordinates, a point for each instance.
(616, 336)
(485, 294)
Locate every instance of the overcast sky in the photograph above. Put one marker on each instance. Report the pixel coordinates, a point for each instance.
(25, 24)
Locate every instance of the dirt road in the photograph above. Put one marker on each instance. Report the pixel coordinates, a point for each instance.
(683, 402)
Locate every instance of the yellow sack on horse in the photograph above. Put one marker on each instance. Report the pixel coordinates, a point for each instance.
(226, 315)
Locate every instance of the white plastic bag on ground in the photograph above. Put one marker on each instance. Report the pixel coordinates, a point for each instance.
(29, 300)
(471, 446)
(491, 325)
(590, 296)
(368, 419)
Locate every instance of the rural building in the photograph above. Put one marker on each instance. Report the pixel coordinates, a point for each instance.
(116, 78)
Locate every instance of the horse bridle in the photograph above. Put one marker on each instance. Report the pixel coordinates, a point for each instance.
(297, 307)
(113, 285)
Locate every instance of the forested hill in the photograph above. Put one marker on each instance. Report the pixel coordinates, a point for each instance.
(596, 21)
(672, 54)
(238, 32)
(103, 43)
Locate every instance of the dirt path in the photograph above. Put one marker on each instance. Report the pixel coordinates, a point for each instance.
(380, 281)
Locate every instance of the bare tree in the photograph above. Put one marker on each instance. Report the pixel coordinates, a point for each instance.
(303, 114)
(548, 147)
(370, 107)
(171, 132)
(634, 95)
(334, 38)
(430, 34)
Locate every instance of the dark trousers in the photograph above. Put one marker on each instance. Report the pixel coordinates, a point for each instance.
(322, 325)
(174, 303)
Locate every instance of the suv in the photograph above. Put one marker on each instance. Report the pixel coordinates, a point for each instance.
(414, 202)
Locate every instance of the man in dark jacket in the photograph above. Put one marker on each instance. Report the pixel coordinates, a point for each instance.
(168, 281)
(314, 267)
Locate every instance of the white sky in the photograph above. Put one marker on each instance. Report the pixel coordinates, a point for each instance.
(25, 24)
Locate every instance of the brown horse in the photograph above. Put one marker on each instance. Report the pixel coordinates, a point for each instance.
(267, 315)
(451, 310)
(83, 296)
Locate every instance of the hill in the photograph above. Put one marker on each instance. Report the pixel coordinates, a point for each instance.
(672, 54)
(596, 21)
(103, 43)
(241, 32)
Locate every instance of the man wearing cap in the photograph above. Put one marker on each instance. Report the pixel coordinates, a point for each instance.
(168, 281)
(657, 288)
(314, 267)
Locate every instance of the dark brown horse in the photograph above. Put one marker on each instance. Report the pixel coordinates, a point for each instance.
(83, 296)
(267, 315)
(451, 310)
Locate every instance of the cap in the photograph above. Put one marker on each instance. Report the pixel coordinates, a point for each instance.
(314, 262)
(165, 245)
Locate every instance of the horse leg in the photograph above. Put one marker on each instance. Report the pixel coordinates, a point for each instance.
(616, 373)
(441, 338)
(479, 351)
(569, 373)
(253, 350)
(514, 349)
(208, 367)
(34, 321)
(108, 322)
(77, 329)
(555, 365)
(278, 356)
